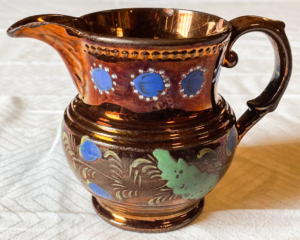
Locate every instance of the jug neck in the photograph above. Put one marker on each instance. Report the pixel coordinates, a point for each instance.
(140, 77)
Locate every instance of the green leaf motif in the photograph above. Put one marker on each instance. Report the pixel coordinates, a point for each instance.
(185, 180)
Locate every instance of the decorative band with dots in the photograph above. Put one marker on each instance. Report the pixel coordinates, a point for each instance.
(155, 54)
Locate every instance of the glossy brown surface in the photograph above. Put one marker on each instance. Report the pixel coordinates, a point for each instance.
(153, 23)
(268, 100)
(156, 226)
(133, 178)
(115, 126)
(141, 26)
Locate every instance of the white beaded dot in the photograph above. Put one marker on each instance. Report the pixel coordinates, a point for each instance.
(147, 99)
(106, 69)
(135, 91)
(151, 70)
(184, 95)
(132, 83)
(155, 98)
(141, 71)
(141, 96)
(132, 76)
(114, 76)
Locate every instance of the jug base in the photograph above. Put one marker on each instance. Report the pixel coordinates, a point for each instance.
(148, 226)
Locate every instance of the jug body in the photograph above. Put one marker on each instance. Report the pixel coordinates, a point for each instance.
(151, 167)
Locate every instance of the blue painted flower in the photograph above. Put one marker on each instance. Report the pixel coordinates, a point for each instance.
(232, 139)
(193, 82)
(102, 79)
(149, 84)
(89, 150)
(99, 191)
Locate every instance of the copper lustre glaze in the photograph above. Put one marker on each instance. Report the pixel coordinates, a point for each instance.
(148, 134)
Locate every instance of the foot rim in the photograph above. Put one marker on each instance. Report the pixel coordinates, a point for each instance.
(148, 226)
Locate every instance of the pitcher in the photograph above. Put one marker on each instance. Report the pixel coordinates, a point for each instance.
(148, 134)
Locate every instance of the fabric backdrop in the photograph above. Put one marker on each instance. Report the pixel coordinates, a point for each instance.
(40, 198)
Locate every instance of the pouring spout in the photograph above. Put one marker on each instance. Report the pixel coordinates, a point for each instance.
(20, 28)
(59, 31)
(17, 29)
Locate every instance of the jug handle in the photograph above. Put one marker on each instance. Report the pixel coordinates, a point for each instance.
(268, 100)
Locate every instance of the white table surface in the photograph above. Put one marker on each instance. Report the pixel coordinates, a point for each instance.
(40, 198)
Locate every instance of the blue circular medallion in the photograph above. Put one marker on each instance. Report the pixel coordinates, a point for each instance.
(102, 79)
(193, 82)
(149, 84)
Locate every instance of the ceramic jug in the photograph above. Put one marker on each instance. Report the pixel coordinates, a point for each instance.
(148, 135)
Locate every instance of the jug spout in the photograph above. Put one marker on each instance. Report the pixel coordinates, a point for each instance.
(57, 31)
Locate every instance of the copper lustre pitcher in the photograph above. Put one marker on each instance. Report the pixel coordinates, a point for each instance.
(148, 135)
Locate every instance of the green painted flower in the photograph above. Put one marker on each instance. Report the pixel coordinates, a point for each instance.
(185, 180)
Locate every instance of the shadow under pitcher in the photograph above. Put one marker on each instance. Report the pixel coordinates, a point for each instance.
(148, 135)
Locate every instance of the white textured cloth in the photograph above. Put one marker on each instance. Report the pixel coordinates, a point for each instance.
(40, 198)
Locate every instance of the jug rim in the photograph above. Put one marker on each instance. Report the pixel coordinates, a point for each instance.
(67, 21)
(212, 38)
